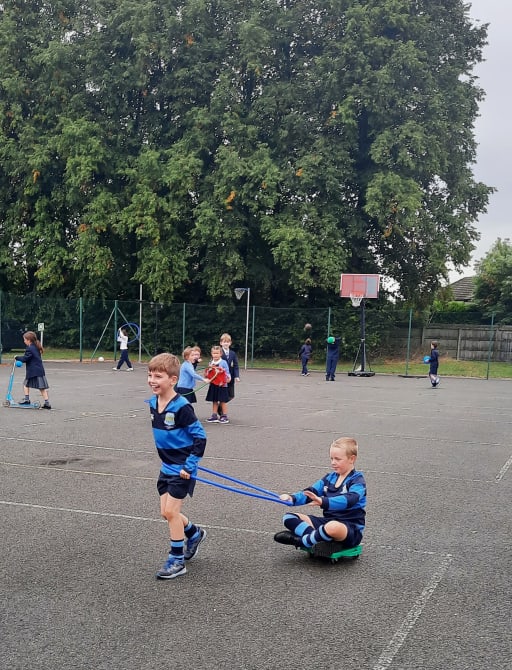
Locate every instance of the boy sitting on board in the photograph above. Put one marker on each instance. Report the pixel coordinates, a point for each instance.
(341, 494)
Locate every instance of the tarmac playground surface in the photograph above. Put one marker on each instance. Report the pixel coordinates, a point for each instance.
(82, 539)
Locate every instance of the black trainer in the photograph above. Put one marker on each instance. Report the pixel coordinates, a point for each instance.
(287, 537)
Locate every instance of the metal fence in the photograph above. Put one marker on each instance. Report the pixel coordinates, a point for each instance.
(90, 328)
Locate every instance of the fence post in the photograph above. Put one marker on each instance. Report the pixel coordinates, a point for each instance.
(491, 335)
(183, 326)
(1, 345)
(408, 344)
(115, 330)
(81, 326)
(140, 323)
(252, 334)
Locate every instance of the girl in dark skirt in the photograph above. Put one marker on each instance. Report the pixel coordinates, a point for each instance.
(218, 394)
(35, 376)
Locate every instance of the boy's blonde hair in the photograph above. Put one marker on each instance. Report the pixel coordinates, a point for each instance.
(168, 363)
(348, 444)
(225, 337)
(185, 354)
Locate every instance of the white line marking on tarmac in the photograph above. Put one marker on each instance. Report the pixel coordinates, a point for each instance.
(111, 515)
(398, 639)
(72, 471)
(236, 529)
(504, 470)
(238, 460)
(76, 444)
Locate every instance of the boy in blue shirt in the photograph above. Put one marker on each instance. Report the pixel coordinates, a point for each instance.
(180, 440)
(341, 495)
(188, 376)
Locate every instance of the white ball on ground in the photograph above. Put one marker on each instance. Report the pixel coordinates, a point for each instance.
(101, 359)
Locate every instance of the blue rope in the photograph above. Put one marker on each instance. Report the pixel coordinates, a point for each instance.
(238, 481)
(269, 495)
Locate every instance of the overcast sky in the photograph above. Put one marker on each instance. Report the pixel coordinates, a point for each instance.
(493, 130)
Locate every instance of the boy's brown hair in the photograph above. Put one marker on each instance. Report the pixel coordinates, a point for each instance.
(216, 347)
(185, 354)
(349, 444)
(168, 363)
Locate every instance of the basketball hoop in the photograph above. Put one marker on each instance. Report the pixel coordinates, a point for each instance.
(239, 292)
(356, 299)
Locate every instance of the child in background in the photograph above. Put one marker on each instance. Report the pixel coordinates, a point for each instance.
(231, 359)
(434, 364)
(195, 356)
(305, 354)
(35, 376)
(218, 395)
(188, 377)
(122, 338)
(180, 441)
(341, 495)
(333, 353)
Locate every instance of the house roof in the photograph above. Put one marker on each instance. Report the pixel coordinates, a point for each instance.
(463, 289)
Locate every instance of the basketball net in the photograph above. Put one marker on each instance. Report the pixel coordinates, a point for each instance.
(356, 299)
(239, 293)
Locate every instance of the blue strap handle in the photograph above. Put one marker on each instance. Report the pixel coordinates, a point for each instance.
(239, 481)
(269, 495)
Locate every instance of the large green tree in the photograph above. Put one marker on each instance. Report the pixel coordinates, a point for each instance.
(194, 146)
(493, 281)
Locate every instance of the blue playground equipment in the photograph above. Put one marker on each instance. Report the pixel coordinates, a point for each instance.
(9, 400)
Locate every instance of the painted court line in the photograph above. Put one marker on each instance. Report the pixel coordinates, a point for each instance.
(235, 529)
(504, 470)
(399, 638)
(48, 466)
(111, 515)
(396, 642)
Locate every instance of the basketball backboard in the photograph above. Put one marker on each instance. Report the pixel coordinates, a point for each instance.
(363, 285)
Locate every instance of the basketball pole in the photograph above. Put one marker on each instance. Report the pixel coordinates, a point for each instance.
(362, 371)
(239, 293)
(358, 287)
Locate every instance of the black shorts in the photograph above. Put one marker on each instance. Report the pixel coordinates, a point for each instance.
(354, 535)
(175, 486)
(188, 394)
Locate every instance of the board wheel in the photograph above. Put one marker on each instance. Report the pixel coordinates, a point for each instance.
(7, 403)
(37, 404)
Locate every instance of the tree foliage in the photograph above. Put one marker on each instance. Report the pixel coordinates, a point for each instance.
(194, 146)
(493, 282)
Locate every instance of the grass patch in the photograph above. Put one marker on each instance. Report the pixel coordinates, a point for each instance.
(448, 367)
